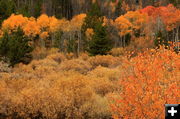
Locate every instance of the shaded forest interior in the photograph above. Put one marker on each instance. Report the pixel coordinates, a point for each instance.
(69, 8)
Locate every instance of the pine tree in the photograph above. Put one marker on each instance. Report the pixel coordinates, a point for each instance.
(93, 16)
(14, 48)
(100, 43)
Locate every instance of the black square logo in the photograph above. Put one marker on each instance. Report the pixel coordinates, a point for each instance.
(172, 111)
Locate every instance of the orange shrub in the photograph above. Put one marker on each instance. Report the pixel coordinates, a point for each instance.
(150, 81)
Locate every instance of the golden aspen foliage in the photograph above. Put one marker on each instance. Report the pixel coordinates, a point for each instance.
(89, 33)
(54, 25)
(123, 25)
(31, 28)
(137, 19)
(107, 21)
(44, 22)
(44, 35)
(77, 22)
(63, 23)
(14, 22)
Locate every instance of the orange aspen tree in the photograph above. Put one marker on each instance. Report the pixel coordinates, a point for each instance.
(149, 81)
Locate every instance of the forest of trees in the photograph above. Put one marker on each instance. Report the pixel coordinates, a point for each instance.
(88, 59)
(70, 8)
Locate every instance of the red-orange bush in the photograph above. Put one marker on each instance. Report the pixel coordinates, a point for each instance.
(150, 82)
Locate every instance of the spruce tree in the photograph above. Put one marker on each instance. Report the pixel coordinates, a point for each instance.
(93, 16)
(100, 43)
(14, 48)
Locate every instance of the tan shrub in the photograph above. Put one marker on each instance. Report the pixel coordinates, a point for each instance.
(98, 108)
(42, 52)
(66, 97)
(118, 51)
(4, 67)
(84, 56)
(76, 65)
(70, 55)
(58, 57)
(105, 61)
(102, 86)
(112, 74)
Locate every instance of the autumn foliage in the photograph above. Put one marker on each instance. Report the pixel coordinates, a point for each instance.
(60, 80)
(150, 80)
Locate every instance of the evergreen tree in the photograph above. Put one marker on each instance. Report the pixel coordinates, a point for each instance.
(14, 48)
(100, 43)
(38, 8)
(24, 10)
(93, 16)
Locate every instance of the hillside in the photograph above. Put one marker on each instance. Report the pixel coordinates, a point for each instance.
(93, 59)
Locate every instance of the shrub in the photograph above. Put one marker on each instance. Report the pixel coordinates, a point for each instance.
(76, 65)
(4, 67)
(65, 97)
(58, 57)
(112, 74)
(117, 51)
(42, 52)
(151, 82)
(84, 56)
(105, 61)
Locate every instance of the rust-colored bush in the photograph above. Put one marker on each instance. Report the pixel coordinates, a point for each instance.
(153, 82)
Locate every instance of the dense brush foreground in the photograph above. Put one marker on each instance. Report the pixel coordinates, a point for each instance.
(60, 86)
(91, 65)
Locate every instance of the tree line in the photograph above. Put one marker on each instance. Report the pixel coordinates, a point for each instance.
(92, 32)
